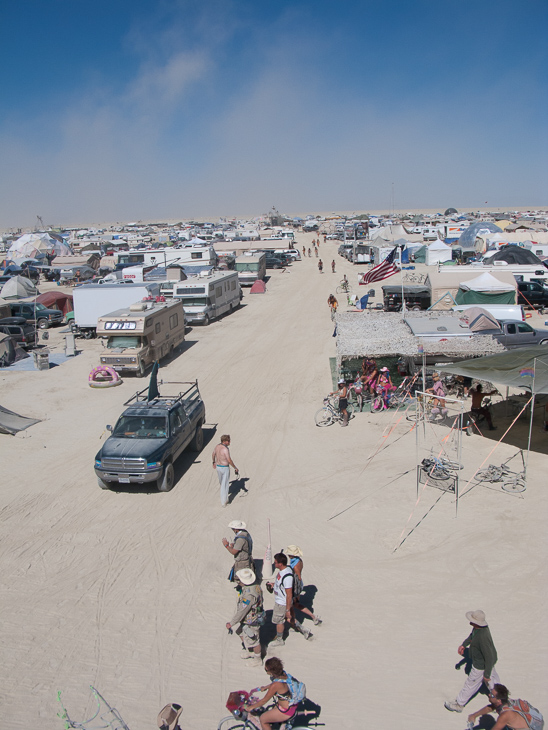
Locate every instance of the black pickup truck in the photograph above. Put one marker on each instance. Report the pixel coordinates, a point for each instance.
(533, 294)
(149, 436)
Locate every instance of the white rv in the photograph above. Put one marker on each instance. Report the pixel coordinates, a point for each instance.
(250, 268)
(181, 254)
(209, 295)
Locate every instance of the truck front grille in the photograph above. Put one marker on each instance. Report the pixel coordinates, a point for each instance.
(126, 464)
(118, 361)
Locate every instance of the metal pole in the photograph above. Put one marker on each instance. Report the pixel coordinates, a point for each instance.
(401, 272)
(531, 419)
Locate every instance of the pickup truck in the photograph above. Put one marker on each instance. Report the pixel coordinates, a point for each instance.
(531, 293)
(149, 436)
(518, 334)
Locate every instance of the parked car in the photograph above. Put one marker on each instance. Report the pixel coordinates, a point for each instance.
(533, 294)
(23, 333)
(274, 261)
(520, 334)
(37, 313)
(149, 436)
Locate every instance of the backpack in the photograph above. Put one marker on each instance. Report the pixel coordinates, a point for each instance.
(297, 689)
(297, 582)
(530, 714)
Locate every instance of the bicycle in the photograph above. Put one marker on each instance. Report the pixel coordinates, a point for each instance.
(330, 413)
(512, 481)
(359, 394)
(440, 468)
(386, 399)
(242, 719)
(343, 288)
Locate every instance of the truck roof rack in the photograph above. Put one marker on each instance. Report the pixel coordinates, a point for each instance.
(141, 397)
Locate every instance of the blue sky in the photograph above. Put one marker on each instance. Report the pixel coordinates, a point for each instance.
(117, 111)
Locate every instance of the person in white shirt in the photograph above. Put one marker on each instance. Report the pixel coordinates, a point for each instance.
(283, 600)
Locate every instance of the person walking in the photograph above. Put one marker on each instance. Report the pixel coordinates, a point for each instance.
(295, 555)
(484, 657)
(309, 253)
(320, 266)
(333, 266)
(222, 463)
(283, 600)
(516, 714)
(249, 614)
(342, 392)
(316, 251)
(477, 408)
(241, 548)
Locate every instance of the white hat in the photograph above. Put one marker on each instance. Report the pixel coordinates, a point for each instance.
(237, 525)
(246, 576)
(294, 550)
(167, 719)
(476, 617)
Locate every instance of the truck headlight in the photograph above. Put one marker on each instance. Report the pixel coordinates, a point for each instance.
(153, 464)
(103, 359)
(98, 462)
(133, 359)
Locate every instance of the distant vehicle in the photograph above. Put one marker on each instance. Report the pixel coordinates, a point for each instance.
(209, 297)
(531, 293)
(138, 335)
(181, 253)
(18, 328)
(499, 311)
(37, 313)
(274, 261)
(250, 268)
(417, 298)
(292, 253)
(149, 437)
(520, 334)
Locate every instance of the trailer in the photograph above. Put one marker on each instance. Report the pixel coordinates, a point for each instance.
(92, 301)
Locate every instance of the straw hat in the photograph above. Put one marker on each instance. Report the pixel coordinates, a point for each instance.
(167, 719)
(384, 370)
(294, 550)
(237, 525)
(476, 617)
(246, 576)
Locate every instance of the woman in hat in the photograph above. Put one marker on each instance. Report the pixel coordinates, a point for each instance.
(295, 555)
(342, 392)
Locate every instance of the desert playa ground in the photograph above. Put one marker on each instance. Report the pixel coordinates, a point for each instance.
(127, 591)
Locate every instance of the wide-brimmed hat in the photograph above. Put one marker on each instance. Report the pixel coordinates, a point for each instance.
(385, 370)
(341, 380)
(167, 719)
(246, 576)
(293, 550)
(237, 525)
(476, 617)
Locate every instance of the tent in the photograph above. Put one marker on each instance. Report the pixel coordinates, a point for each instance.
(485, 289)
(393, 233)
(438, 252)
(513, 254)
(445, 285)
(18, 287)
(479, 320)
(467, 240)
(31, 244)
(11, 423)
(420, 255)
(524, 367)
(56, 300)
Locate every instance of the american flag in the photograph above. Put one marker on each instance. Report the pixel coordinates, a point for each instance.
(382, 271)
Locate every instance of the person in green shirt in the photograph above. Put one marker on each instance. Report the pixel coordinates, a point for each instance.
(484, 657)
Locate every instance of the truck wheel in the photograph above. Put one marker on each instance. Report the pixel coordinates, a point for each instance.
(102, 484)
(197, 442)
(43, 324)
(543, 342)
(167, 481)
(140, 373)
(206, 321)
(416, 308)
(88, 334)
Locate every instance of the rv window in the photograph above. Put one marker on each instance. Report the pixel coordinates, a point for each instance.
(181, 290)
(157, 327)
(219, 291)
(195, 301)
(124, 341)
(196, 255)
(233, 285)
(173, 321)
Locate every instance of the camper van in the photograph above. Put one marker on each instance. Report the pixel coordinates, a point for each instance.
(181, 254)
(250, 268)
(138, 335)
(209, 295)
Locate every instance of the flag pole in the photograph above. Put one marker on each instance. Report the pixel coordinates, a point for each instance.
(401, 272)
(267, 562)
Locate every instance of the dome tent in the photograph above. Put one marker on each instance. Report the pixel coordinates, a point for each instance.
(485, 289)
(451, 211)
(515, 255)
(467, 240)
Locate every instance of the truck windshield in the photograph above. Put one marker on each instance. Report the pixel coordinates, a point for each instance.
(140, 427)
(247, 267)
(124, 341)
(195, 301)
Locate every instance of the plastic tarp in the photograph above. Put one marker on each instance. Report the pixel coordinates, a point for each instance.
(513, 254)
(467, 240)
(11, 423)
(31, 244)
(524, 367)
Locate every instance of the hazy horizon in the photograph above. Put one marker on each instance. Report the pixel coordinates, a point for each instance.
(178, 110)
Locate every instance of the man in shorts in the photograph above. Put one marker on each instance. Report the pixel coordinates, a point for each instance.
(241, 548)
(283, 600)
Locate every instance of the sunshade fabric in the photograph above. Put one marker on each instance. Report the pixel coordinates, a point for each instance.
(508, 368)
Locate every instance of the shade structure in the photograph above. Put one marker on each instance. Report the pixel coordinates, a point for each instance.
(31, 244)
(525, 367)
(485, 289)
(18, 287)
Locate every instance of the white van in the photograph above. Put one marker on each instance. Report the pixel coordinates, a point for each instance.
(209, 295)
(499, 311)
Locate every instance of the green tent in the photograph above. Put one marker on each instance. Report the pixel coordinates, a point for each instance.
(485, 289)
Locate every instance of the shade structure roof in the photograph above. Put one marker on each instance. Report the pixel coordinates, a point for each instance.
(485, 282)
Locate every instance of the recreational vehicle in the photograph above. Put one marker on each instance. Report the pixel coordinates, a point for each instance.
(140, 334)
(181, 253)
(209, 295)
(250, 268)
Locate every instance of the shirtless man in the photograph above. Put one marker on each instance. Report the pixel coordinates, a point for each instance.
(515, 714)
(222, 463)
(477, 409)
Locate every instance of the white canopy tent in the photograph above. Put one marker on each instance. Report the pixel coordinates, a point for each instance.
(437, 253)
(485, 282)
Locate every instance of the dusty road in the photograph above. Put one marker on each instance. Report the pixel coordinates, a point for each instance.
(127, 590)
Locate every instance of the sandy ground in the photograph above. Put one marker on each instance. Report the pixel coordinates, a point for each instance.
(127, 590)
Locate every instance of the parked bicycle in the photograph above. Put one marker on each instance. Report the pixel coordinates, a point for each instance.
(440, 467)
(358, 395)
(330, 413)
(414, 278)
(511, 481)
(387, 398)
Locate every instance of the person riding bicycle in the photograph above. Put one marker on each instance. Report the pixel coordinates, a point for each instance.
(333, 303)
(342, 392)
(438, 390)
(278, 690)
(478, 409)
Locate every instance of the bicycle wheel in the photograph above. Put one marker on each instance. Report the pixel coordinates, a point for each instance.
(489, 475)
(231, 723)
(340, 290)
(437, 472)
(377, 404)
(515, 485)
(323, 417)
